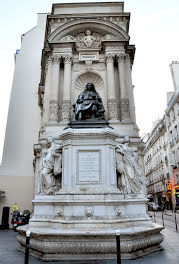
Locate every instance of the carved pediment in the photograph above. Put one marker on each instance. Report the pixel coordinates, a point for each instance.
(75, 31)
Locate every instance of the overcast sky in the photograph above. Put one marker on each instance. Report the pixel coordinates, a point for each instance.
(154, 28)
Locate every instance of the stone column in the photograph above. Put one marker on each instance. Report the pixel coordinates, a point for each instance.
(124, 97)
(66, 104)
(53, 110)
(112, 102)
(130, 88)
(48, 83)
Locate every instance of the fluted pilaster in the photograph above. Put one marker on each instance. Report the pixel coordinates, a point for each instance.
(53, 110)
(48, 86)
(66, 104)
(124, 95)
(130, 88)
(111, 102)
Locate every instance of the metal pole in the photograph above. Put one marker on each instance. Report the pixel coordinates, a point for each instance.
(27, 247)
(163, 218)
(176, 220)
(154, 217)
(118, 246)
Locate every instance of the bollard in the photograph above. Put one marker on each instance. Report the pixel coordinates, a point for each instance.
(163, 218)
(118, 246)
(154, 217)
(176, 220)
(27, 247)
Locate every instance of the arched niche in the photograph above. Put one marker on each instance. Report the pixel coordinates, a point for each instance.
(81, 82)
(102, 27)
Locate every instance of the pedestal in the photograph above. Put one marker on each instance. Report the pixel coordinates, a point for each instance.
(79, 222)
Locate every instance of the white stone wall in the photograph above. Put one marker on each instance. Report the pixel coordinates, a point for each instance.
(23, 124)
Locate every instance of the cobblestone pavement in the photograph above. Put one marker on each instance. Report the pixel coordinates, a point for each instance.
(170, 255)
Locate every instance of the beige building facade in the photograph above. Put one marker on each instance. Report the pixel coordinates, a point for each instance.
(162, 151)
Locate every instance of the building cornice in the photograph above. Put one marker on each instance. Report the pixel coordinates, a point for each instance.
(88, 4)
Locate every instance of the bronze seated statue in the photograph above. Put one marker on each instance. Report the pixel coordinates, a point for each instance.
(89, 104)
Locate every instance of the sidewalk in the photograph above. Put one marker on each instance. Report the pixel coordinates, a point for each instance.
(170, 255)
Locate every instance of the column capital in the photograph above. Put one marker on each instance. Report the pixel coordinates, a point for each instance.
(128, 58)
(49, 60)
(121, 57)
(67, 59)
(56, 59)
(109, 57)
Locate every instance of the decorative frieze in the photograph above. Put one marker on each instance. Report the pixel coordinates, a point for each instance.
(53, 111)
(66, 108)
(112, 109)
(124, 108)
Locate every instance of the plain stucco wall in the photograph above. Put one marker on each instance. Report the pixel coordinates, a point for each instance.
(23, 124)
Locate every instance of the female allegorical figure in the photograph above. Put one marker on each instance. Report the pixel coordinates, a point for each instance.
(127, 165)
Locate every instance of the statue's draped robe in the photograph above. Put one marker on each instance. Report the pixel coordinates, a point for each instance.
(129, 168)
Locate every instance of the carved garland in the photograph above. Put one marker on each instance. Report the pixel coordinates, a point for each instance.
(112, 109)
(124, 108)
(53, 111)
(66, 108)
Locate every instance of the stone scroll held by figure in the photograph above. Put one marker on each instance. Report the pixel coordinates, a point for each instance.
(51, 168)
(89, 104)
(128, 169)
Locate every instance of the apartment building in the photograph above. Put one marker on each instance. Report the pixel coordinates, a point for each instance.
(162, 151)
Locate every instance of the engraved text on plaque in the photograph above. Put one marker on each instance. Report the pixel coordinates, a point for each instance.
(89, 166)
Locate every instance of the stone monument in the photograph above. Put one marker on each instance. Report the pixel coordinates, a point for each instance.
(89, 175)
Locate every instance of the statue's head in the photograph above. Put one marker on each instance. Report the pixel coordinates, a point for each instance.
(88, 32)
(90, 87)
(50, 139)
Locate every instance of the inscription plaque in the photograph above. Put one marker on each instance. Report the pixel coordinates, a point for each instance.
(89, 166)
(89, 57)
